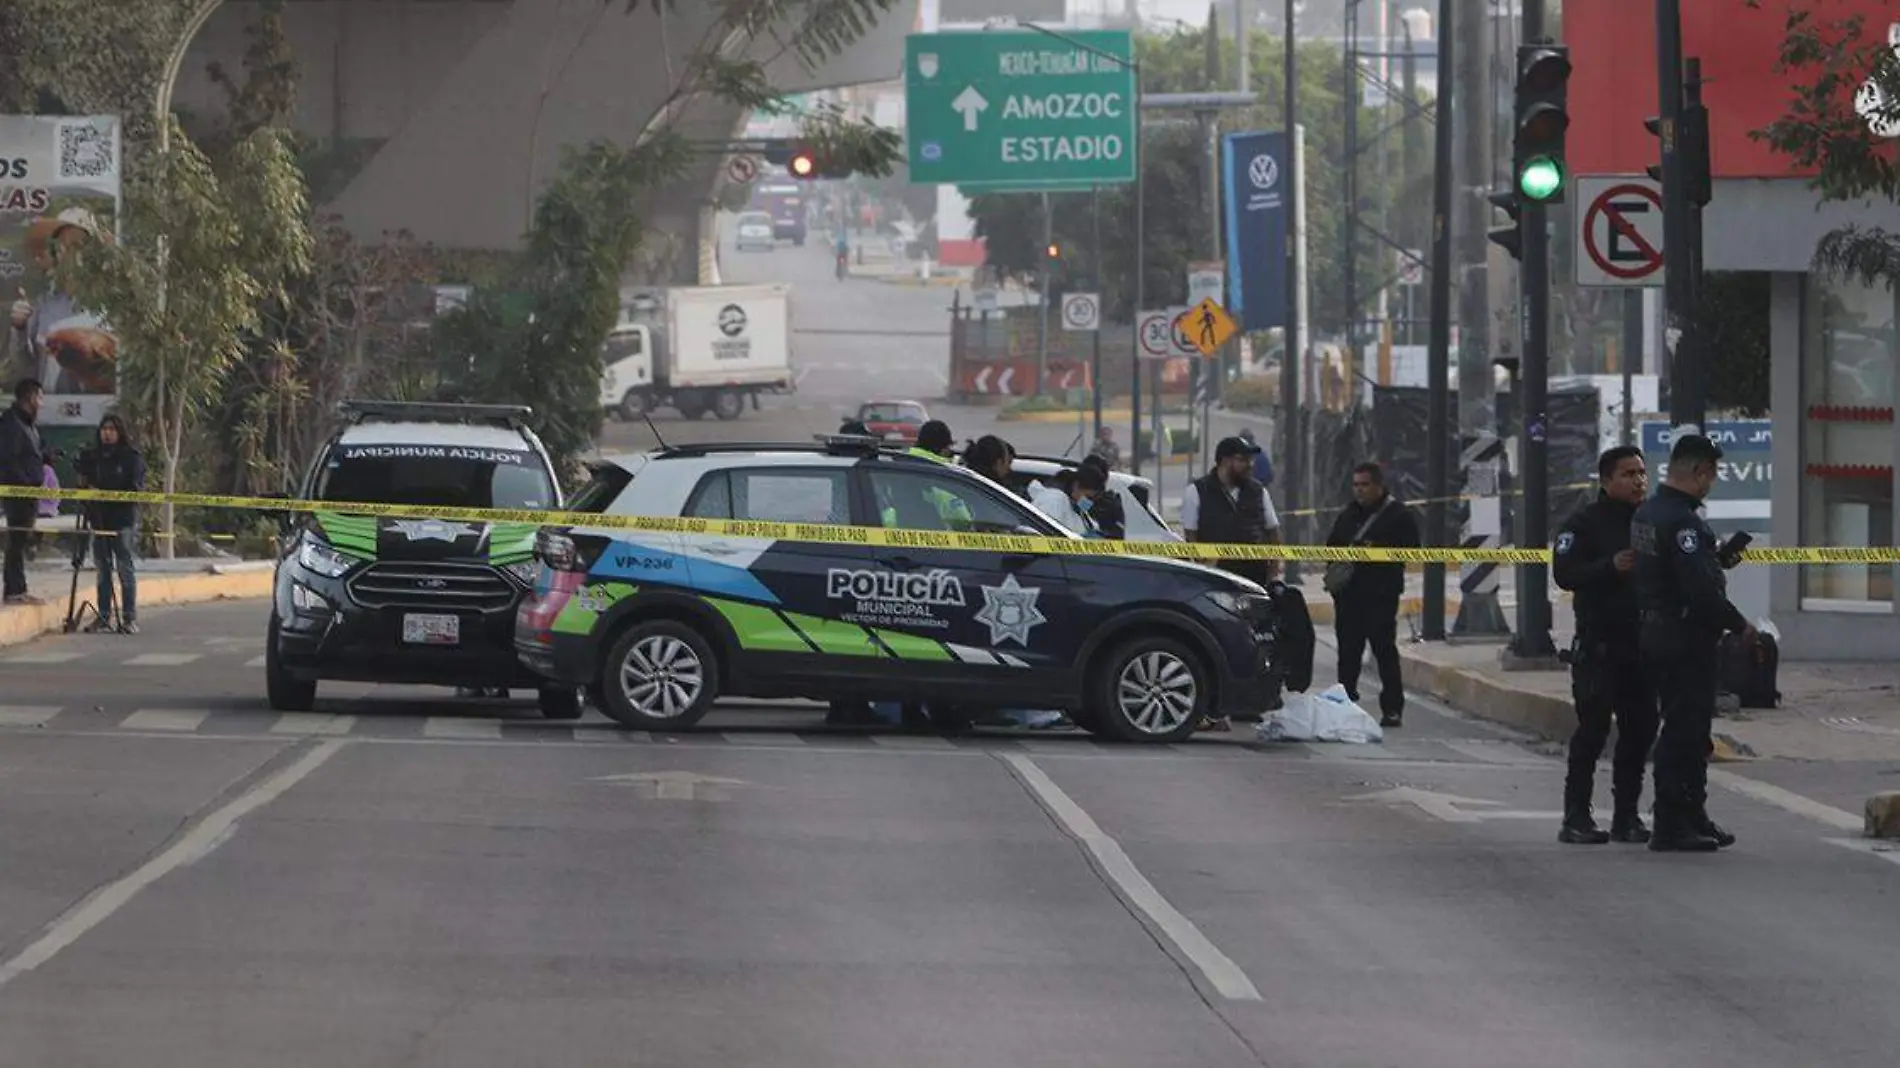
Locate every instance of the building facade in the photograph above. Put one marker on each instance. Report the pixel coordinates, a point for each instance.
(1835, 342)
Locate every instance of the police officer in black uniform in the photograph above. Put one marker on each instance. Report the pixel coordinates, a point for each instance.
(1593, 560)
(1683, 597)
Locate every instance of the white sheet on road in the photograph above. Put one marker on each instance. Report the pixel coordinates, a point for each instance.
(1329, 716)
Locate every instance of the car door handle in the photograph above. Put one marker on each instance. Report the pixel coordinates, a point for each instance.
(721, 548)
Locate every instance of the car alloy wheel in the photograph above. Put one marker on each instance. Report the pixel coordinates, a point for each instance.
(662, 677)
(1156, 692)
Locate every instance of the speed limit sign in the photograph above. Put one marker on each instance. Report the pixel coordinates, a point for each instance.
(1081, 312)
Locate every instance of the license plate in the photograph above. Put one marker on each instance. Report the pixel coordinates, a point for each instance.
(431, 630)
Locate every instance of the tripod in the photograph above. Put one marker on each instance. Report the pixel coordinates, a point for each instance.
(77, 610)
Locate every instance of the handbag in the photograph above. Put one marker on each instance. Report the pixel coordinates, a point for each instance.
(1339, 573)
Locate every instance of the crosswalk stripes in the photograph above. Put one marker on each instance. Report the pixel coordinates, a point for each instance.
(460, 728)
(27, 715)
(163, 659)
(165, 719)
(325, 724)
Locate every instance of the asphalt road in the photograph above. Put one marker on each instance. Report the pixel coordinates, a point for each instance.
(188, 879)
(861, 339)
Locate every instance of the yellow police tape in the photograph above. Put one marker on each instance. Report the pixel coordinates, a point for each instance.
(830, 534)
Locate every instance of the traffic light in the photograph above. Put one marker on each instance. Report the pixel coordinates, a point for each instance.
(1509, 237)
(1053, 252)
(802, 164)
(800, 161)
(1538, 173)
(1692, 152)
(1654, 124)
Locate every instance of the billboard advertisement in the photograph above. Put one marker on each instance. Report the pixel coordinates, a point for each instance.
(59, 187)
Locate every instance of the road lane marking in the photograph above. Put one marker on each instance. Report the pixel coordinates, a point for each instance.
(309, 723)
(254, 662)
(912, 741)
(1787, 800)
(164, 719)
(198, 843)
(43, 658)
(27, 715)
(459, 727)
(1220, 970)
(163, 659)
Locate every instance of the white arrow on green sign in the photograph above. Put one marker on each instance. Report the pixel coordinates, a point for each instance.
(1020, 110)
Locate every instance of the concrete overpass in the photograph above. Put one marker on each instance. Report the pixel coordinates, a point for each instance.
(459, 109)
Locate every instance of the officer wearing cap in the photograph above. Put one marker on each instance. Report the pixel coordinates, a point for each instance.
(1228, 506)
(1683, 599)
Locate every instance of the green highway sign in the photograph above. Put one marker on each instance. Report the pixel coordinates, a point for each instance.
(1021, 110)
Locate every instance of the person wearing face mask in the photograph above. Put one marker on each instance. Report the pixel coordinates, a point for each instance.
(114, 464)
(1683, 597)
(1071, 500)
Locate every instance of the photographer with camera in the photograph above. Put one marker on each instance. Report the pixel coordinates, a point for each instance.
(113, 463)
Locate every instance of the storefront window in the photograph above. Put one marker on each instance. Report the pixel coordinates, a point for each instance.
(1848, 356)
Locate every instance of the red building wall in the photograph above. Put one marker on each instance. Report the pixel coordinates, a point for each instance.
(1613, 81)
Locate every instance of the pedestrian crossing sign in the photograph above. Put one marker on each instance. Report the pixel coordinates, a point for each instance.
(1207, 325)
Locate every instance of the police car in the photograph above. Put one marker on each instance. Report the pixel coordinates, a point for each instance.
(656, 626)
(412, 600)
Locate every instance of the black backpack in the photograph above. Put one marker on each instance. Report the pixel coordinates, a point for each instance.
(1293, 638)
(1747, 669)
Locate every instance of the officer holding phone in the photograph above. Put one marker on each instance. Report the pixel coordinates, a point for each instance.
(1683, 597)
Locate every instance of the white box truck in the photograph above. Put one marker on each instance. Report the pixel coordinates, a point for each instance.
(699, 349)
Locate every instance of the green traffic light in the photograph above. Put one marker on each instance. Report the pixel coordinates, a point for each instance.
(1541, 178)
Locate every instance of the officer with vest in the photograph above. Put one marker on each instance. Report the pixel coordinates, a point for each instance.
(1229, 506)
(1593, 560)
(1683, 598)
(935, 442)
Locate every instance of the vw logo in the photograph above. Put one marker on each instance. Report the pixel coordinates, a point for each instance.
(732, 320)
(432, 583)
(1263, 171)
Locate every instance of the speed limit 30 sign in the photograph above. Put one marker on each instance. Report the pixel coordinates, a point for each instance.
(1620, 231)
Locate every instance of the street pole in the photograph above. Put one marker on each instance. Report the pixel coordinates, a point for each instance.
(1241, 15)
(1042, 317)
(1212, 368)
(1349, 179)
(1290, 430)
(1686, 385)
(1532, 641)
(1479, 612)
(1141, 296)
(1695, 369)
(1438, 433)
(1095, 354)
(1632, 352)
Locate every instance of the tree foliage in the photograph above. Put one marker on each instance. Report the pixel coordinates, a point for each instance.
(1839, 67)
(207, 245)
(1179, 218)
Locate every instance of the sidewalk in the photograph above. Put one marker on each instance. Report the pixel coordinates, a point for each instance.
(161, 582)
(1846, 711)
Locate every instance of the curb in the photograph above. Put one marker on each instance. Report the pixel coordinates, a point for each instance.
(22, 624)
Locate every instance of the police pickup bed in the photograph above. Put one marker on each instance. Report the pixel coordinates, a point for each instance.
(656, 626)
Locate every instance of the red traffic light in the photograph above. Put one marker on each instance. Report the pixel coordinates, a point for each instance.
(802, 164)
(1054, 252)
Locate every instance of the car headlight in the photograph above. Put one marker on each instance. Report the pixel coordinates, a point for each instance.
(320, 559)
(524, 572)
(1244, 605)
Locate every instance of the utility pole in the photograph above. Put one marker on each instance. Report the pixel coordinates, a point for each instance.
(1291, 447)
(1095, 336)
(1532, 643)
(1686, 386)
(1438, 358)
(1481, 448)
(1349, 179)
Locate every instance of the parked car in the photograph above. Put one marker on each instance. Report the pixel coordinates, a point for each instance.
(754, 230)
(895, 421)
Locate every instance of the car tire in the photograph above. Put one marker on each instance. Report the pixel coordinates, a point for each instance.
(690, 405)
(728, 404)
(286, 692)
(667, 653)
(560, 702)
(1154, 669)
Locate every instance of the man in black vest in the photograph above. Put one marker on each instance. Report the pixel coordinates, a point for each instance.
(1229, 506)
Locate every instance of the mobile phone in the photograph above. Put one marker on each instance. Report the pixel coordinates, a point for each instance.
(1736, 543)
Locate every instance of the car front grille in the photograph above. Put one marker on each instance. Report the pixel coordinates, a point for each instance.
(429, 586)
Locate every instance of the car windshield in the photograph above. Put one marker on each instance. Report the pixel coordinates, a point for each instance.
(441, 475)
(891, 413)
